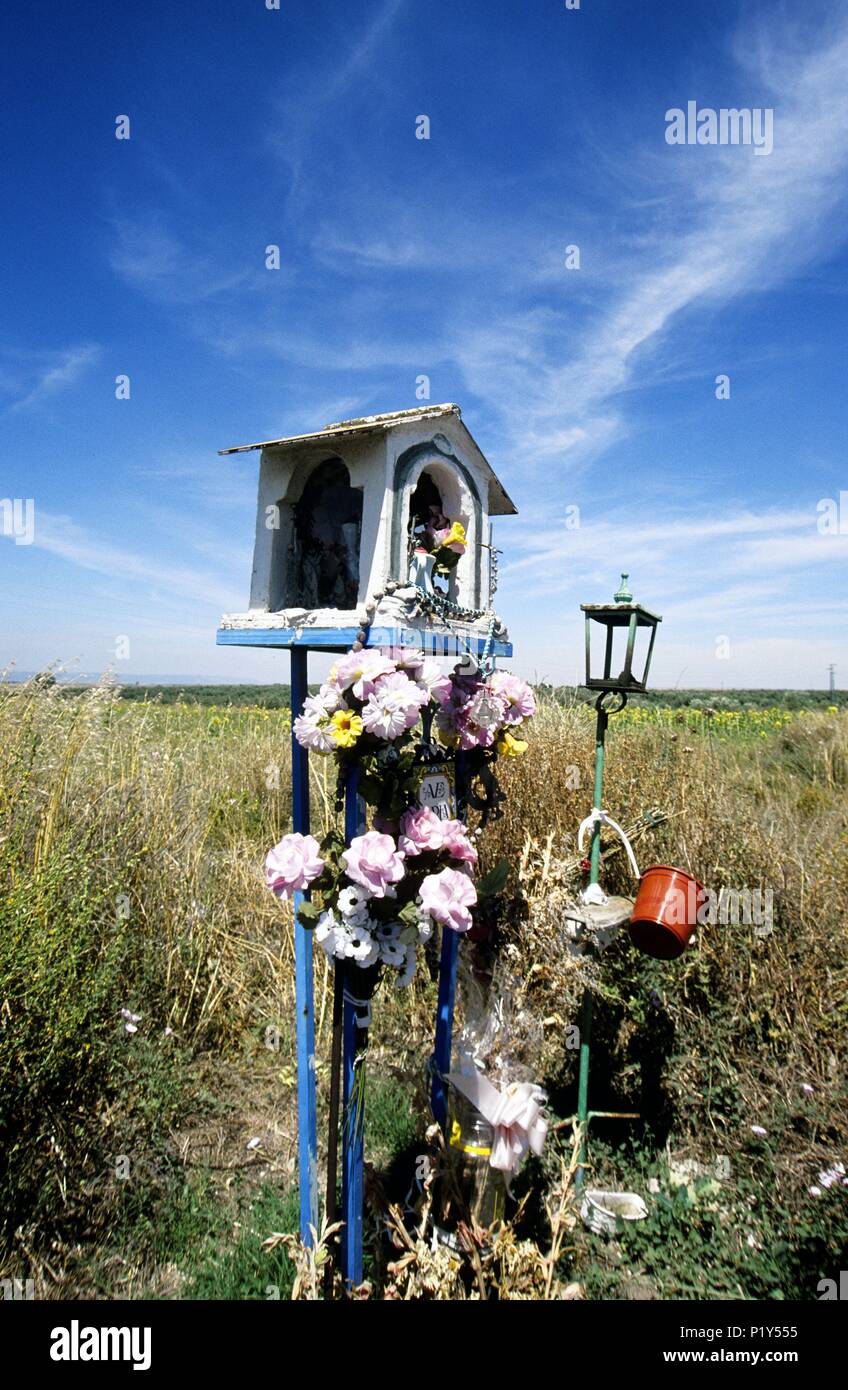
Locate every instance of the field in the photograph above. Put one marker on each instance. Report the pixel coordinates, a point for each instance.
(277, 696)
(155, 1162)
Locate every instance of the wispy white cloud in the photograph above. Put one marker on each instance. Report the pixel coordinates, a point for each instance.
(382, 252)
(750, 221)
(352, 62)
(151, 258)
(541, 542)
(759, 580)
(55, 372)
(65, 538)
(763, 547)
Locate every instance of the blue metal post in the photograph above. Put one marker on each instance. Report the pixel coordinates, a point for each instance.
(444, 1023)
(353, 1137)
(447, 988)
(306, 1126)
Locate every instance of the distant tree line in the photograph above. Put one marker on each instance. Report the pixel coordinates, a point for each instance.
(268, 696)
(710, 699)
(278, 697)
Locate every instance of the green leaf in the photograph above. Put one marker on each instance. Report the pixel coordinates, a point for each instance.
(408, 914)
(308, 914)
(494, 881)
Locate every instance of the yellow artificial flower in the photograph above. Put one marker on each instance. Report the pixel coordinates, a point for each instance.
(456, 535)
(347, 726)
(512, 747)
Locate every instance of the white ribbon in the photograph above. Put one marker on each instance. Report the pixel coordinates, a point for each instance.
(595, 815)
(514, 1114)
(362, 1008)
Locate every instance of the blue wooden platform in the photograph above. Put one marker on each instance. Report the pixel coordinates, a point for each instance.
(334, 639)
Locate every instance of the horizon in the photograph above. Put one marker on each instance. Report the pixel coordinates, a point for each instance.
(14, 677)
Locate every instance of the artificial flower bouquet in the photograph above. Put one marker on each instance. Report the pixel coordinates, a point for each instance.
(377, 900)
(443, 538)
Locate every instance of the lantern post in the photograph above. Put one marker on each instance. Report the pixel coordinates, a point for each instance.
(620, 614)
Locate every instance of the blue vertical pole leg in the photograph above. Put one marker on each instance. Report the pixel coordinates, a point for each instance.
(444, 1023)
(304, 998)
(353, 1145)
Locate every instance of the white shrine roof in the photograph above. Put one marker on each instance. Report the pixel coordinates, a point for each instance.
(500, 504)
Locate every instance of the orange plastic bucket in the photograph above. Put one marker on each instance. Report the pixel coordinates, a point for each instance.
(665, 913)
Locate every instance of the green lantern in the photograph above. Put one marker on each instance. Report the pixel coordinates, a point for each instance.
(628, 627)
(630, 633)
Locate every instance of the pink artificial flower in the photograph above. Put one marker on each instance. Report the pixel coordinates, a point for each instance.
(421, 829)
(373, 861)
(385, 718)
(405, 689)
(312, 728)
(448, 897)
(520, 700)
(405, 658)
(457, 843)
(434, 680)
(481, 720)
(393, 706)
(359, 671)
(291, 865)
(330, 695)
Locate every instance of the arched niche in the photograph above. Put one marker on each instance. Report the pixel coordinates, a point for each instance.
(323, 542)
(426, 504)
(421, 472)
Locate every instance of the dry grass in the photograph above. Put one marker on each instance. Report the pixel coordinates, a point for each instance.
(131, 843)
(728, 1036)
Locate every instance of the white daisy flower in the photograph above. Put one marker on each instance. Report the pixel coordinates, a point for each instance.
(329, 698)
(353, 905)
(325, 926)
(392, 953)
(313, 730)
(361, 947)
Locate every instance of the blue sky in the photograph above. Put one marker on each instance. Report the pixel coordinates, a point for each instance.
(591, 388)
